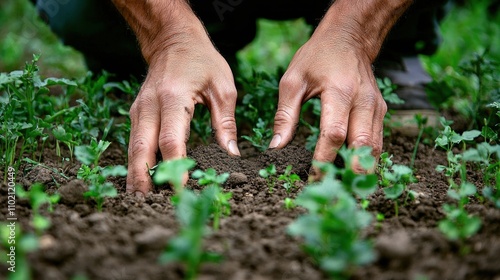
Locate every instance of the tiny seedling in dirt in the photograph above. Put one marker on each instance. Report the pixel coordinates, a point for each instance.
(94, 175)
(261, 137)
(269, 173)
(193, 213)
(332, 228)
(38, 197)
(289, 179)
(289, 203)
(395, 178)
(14, 248)
(172, 172)
(221, 205)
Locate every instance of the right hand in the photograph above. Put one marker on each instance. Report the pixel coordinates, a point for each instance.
(184, 71)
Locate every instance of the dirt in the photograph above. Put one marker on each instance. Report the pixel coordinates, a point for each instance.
(127, 238)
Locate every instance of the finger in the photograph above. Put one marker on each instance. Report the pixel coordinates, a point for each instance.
(145, 123)
(287, 115)
(360, 130)
(335, 107)
(177, 109)
(223, 122)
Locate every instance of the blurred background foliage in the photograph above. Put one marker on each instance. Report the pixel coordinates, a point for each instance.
(468, 28)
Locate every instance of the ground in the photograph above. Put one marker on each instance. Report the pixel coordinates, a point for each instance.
(126, 239)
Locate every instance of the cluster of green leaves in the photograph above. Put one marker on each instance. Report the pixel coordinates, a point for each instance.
(33, 114)
(94, 175)
(193, 212)
(288, 178)
(258, 106)
(23, 244)
(469, 90)
(458, 223)
(395, 179)
(332, 228)
(38, 197)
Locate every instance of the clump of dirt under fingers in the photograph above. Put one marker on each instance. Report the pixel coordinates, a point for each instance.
(126, 239)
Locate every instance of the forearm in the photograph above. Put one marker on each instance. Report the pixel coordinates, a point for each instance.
(159, 23)
(366, 22)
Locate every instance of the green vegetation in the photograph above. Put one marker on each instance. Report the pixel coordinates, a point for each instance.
(331, 229)
(193, 213)
(37, 198)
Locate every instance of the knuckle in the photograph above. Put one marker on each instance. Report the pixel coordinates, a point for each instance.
(290, 82)
(283, 116)
(139, 146)
(228, 124)
(169, 141)
(363, 139)
(335, 134)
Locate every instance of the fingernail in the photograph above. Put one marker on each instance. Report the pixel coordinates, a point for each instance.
(233, 148)
(275, 142)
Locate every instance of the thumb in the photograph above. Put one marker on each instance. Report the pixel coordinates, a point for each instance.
(287, 114)
(224, 123)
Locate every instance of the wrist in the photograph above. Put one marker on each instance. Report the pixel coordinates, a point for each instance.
(159, 24)
(363, 25)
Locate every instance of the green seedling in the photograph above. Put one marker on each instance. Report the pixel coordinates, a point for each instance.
(289, 179)
(14, 248)
(421, 122)
(261, 90)
(172, 172)
(261, 137)
(37, 197)
(447, 139)
(289, 203)
(269, 173)
(332, 228)
(387, 88)
(221, 205)
(201, 123)
(487, 156)
(94, 175)
(65, 137)
(193, 213)
(458, 224)
(395, 178)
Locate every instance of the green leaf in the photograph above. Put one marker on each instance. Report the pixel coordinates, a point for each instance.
(172, 171)
(470, 135)
(115, 171)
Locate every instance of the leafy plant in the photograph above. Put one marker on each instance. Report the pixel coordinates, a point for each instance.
(221, 205)
(193, 213)
(14, 242)
(395, 178)
(261, 137)
(332, 228)
(289, 203)
(37, 197)
(95, 175)
(269, 173)
(289, 179)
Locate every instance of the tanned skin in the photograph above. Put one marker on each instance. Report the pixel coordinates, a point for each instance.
(185, 69)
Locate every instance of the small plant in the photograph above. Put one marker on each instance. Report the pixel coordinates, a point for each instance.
(458, 224)
(289, 203)
(14, 248)
(193, 213)
(37, 197)
(261, 137)
(94, 175)
(269, 173)
(289, 179)
(221, 205)
(332, 227)
(395, 178)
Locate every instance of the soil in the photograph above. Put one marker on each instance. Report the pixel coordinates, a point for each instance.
(125, 240)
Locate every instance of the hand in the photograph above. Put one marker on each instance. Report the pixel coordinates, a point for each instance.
(334, 66)
(185, 71)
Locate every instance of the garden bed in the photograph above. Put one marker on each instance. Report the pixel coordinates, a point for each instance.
(125, 240)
